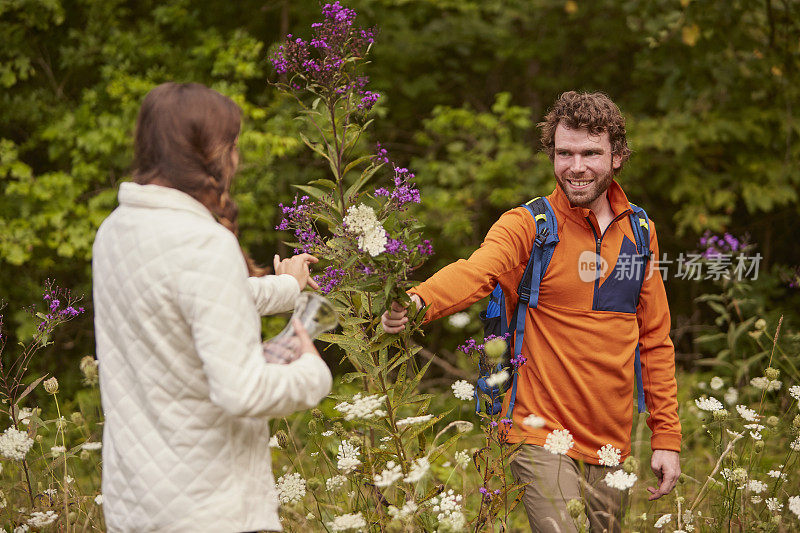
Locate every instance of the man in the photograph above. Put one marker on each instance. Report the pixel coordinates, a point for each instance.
(581, 338)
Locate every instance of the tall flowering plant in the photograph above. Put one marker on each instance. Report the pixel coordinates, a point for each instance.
(37, 490)
(369, 244)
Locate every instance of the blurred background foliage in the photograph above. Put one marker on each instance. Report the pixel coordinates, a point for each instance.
(710, 90)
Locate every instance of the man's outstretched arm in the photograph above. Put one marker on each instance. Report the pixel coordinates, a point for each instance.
(504, 251)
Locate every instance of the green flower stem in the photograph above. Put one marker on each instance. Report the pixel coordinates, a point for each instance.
(60, 428)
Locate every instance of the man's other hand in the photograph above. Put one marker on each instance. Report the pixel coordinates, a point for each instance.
(666, 465)
(394, 320)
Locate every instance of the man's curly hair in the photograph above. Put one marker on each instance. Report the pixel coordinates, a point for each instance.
(593, 111)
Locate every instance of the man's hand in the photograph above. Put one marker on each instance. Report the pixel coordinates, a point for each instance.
(394, 321)
(297, 266)
(666, 465)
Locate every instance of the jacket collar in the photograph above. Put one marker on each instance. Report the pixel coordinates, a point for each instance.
(158, 197)
(616, 197)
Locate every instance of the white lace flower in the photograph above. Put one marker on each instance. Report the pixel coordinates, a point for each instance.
(42, 519)
(558, 441)
(731, 396)
(776, 474)
(327, 433)
(463, 390)
(360, 218)
(498, 378)
(620, 480)
(709, 404)
(533, 421)
(748, 414)
(756, 486)
(794, 392)
(755, 430)
(661, 522)
(462, 458)
(716, 383)
(418, 470)
(391, 474)
(764, 383)
(364, 407)
(91, 446)
(794, 505)
(273, 442)
(335, 482)
(462, 426)
(14, 444)
(407, 511)
(373, 241)
(446, 504)
(774, 504)
(459, 320)
(57, 451)
(347, 458)
(98, 499)
(609, 455)
(795, 444)
(413, 420)
(291, 488)
(347, 522)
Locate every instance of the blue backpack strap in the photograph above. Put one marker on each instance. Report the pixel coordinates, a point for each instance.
(640, 224)
(528, 290)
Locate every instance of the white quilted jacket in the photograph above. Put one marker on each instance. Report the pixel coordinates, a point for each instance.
(185, 389)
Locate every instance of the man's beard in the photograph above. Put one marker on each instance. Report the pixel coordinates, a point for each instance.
(585, 197)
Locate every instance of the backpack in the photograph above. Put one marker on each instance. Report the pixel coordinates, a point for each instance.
(494, 317)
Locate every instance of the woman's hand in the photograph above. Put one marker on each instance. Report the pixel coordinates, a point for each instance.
(297, 266)
(306, 344)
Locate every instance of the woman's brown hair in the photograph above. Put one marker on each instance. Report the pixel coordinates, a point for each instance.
(185, 139)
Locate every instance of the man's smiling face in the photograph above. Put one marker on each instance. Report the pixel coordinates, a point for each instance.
(583, 165)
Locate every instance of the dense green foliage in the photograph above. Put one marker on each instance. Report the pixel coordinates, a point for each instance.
(709, 89)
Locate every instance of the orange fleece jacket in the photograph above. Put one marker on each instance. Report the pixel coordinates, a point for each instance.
(580, 340)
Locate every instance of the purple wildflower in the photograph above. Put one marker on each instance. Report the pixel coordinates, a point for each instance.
(717, 245)
(394, 246)
(426, 248)
(298, 217)
(329, 279)
(368, 100)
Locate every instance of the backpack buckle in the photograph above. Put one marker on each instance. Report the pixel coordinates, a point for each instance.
(541, 237)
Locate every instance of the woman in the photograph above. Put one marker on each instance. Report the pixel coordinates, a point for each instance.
(185, 387)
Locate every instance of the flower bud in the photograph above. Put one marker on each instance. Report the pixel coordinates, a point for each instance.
(495, 348)
(282, 438)
(338, 428)
(77, 418)
(88, 366)
(631, 465)
(356, 441)
(312, 425)
(720, 415)
(575, 508)
(739, 475)
(51, 385)
(758, 446)
(771, 421)
(38, 438)
(61, 423)
(760, 324)
(316, 413)
(86, 455)
(772, 373)
(796, 422)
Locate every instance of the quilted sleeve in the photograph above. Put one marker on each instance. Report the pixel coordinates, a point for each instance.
(274, 294)
(216, 300)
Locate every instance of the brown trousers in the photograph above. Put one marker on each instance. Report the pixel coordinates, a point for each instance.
(553, 480)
